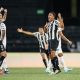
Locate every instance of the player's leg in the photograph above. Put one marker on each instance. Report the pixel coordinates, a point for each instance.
(60, 55)
(49, 64)
(47, 54)
(48, 57)
(43, 57)
(54, 58)
(3, 55)
(5, 67)
(62, 61)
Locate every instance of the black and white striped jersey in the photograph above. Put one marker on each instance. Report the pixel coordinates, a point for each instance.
(3, 27)
(42, 39)
(59, 45)
(53, 29)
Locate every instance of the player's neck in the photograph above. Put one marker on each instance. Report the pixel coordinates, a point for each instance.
(41, 33)
(52, 21)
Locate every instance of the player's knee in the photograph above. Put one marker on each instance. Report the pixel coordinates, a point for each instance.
(4, 54)
(42, 55)
(52, 55)
(60, 54)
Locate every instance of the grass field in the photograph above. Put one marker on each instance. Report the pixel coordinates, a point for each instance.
(39, 74)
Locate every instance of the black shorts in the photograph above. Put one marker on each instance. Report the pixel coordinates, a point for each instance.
(53, 44)
(43, 51)
(2, 48)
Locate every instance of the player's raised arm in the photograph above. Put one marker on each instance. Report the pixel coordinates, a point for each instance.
(1, 9)
(5, 14)
(64, 38)
(61, 25)
(60, 19)
(25, 32)
(46, 27)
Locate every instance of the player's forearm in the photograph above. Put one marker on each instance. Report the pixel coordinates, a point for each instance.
(27, 33)
(4, 16)
(63, 37)
(46, 26)
(61, 22)
(3, 34)
(62, 25)
(1, 9)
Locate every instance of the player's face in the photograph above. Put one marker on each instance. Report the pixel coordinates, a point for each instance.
(41, 30)
(50, 17)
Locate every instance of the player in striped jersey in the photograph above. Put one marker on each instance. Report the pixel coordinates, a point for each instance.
(43, 43)
(54, 31)
(2, 37)
(59, 49)
(52, 28)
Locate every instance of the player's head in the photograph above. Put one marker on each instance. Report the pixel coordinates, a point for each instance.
(51, 16)
(41, 30)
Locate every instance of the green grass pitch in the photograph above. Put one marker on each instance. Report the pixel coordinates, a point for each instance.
(39, 74)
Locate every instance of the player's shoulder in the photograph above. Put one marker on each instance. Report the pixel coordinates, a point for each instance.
(36, 32)
(2, 24)
(56, 21)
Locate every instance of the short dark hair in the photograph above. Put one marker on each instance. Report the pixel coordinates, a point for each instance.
(52, 12)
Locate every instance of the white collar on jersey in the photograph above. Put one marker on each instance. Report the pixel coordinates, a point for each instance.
(51, 22)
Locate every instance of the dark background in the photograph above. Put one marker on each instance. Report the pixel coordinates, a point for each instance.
(24, 13)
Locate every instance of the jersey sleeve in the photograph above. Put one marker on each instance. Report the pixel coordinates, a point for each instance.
(3, 27)
(57, 22)
(36, 34)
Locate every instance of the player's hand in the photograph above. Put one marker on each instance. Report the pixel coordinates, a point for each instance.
(46, 24)
(5, 10)
(46, 27)
(46, 46)
(59, 15)
(1, 8)
(70, 42)
(20, 30)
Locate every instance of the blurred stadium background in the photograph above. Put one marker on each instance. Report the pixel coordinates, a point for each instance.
(30, 14)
